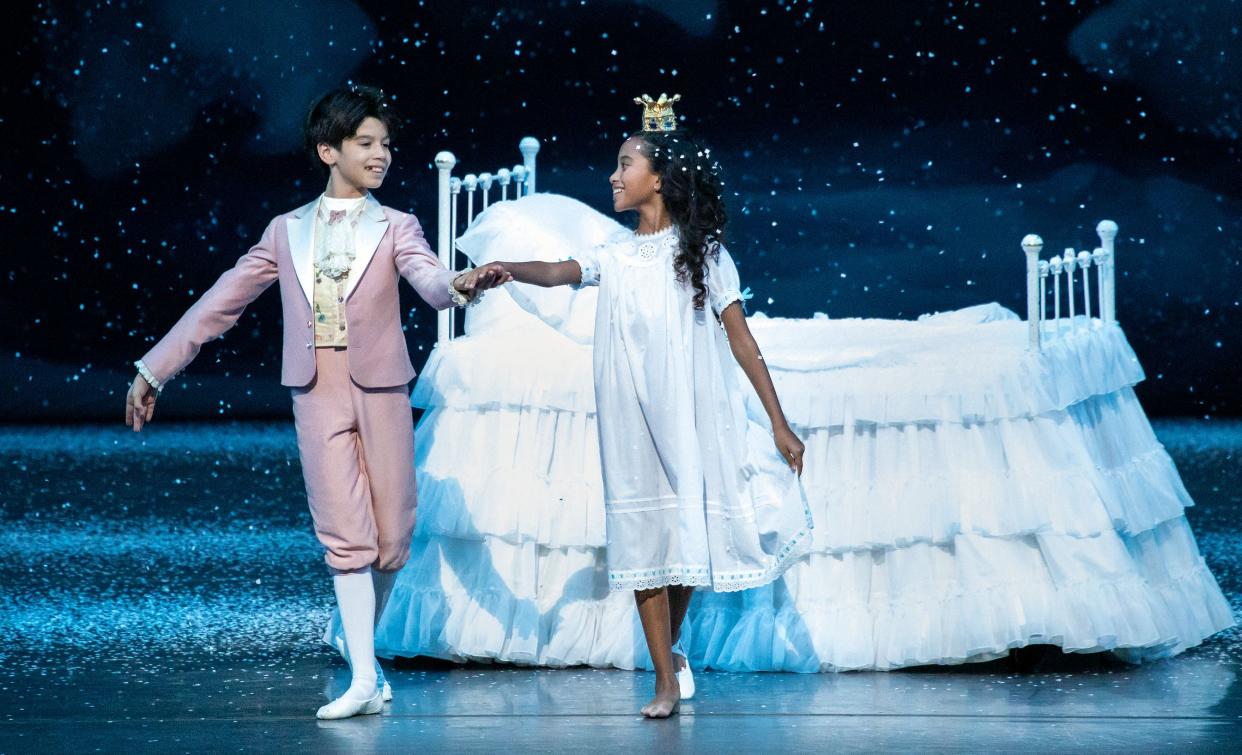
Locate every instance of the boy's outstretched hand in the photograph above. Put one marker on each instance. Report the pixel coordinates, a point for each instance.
(481, 278)
(139, 404)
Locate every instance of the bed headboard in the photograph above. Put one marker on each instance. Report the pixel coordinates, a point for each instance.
(452, 219)
(1041, 327)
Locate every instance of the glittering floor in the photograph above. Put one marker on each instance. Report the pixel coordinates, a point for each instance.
(164, 593)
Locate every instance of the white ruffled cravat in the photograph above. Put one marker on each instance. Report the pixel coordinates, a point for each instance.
(334, 255)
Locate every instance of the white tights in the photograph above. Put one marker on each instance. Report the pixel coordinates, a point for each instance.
(355, 597)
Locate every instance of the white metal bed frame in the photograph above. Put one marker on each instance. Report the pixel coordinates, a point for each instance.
(450, 190)
(1041, 328)
(1038, 272)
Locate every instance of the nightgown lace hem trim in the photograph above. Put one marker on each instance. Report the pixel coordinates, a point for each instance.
(650, 579)
(702, 576)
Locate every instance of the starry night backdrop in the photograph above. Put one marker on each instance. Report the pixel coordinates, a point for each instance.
(883, 160)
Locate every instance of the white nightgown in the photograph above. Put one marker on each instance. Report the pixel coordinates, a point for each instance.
(695, 493)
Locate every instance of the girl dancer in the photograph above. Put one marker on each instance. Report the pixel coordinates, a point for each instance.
(690, 499)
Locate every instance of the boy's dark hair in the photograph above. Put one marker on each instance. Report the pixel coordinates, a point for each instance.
(337, 115)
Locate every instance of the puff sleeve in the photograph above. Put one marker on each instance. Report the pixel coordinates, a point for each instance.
(723, 284)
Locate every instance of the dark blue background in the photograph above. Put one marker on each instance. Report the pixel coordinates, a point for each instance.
(883, 160)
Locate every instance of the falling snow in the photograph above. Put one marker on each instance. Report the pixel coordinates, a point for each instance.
(876, 165)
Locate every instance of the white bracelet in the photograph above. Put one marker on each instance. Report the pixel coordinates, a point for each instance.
(460, 300)
(147, 376)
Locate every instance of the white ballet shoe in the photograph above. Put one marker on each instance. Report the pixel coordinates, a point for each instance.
(685, 677)
(685, 681)
(384, 687)
(348, 707)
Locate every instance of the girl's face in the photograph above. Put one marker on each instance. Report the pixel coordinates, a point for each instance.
(633, 182)
(363, 159)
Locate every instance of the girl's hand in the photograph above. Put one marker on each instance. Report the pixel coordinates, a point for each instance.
(791, 448)
(139, 404)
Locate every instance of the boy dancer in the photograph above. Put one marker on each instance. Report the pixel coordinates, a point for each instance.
(338, 260)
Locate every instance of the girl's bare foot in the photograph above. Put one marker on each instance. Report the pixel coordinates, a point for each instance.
(666, 700)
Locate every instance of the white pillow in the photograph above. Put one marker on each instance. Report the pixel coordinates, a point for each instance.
(542, 228)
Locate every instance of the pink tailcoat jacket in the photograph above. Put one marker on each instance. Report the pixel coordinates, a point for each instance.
(389, 244)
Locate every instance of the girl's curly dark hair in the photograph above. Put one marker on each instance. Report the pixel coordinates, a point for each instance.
(691, 188)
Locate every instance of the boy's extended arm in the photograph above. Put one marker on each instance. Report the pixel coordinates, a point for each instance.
(215, 312)
(420, 266)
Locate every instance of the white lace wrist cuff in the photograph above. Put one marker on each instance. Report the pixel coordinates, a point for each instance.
(590, 273)
(461, 300)
(147, 376)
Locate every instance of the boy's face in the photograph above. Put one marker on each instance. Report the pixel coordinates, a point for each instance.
(363, 159)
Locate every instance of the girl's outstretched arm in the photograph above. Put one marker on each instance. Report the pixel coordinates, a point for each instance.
(748, 356)
(545, 274)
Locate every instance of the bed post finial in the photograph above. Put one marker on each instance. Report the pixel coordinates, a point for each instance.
(529, 147)
(1107, 231)
(1032, 245)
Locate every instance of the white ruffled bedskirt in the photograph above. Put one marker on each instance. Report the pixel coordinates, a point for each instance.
(971, 600)
(828, 373)
(942, 535)
(1097, 467)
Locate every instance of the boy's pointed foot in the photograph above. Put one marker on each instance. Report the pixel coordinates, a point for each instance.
(685, 680)
(380, 682)
(348, 707)
(685, 677)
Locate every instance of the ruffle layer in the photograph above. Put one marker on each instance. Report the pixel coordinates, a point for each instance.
(829, 373)
(1147, 597)
(465, 600)
(509, 367)
(936, 508)
(532, 475)
(1095, 468)
(1144, 597)
(535, 476)
(937, 374)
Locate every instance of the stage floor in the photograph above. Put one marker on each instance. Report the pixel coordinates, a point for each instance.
(164, 593)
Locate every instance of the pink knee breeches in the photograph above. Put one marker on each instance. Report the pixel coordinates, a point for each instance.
(357, 450)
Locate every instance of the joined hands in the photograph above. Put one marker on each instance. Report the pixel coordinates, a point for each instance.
(482, 278)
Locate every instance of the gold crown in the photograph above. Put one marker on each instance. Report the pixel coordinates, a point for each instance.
(658, 114)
